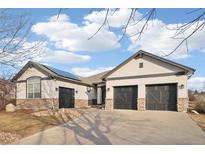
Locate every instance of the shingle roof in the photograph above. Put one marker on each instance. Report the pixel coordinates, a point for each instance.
(97, 78)
(51, 72)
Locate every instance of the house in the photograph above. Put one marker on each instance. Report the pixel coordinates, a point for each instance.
(142, 82)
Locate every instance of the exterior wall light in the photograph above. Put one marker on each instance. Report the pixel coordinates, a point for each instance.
(108, 89)
(76, 91)
(181, 86)
(88, 89)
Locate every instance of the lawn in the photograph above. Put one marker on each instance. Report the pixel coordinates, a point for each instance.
(199, 119)
(22, 123)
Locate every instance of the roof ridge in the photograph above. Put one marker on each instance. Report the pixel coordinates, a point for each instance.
(96, 74)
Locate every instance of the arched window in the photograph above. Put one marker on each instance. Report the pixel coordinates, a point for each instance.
(34, 87)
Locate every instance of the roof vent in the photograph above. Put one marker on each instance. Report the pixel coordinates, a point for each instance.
(140, 65)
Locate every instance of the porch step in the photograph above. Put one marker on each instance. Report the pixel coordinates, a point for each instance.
(100, 106)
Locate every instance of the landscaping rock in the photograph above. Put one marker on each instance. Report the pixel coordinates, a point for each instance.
(6, 138)
(10, 108)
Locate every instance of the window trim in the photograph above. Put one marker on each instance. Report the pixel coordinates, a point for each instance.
(27, 87)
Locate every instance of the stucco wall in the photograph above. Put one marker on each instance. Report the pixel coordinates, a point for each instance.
(142, 82)
(150, 66)
(50, 88)
(31, 72)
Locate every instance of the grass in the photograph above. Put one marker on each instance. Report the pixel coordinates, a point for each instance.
(23, 123)
(199, 119)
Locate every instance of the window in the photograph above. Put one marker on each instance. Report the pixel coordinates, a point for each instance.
(34, 87)
(140, 65)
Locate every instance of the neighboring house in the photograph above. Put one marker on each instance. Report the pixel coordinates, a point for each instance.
(7, 93)
(142, 82)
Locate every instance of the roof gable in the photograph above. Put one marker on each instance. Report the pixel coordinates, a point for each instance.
(141, 53)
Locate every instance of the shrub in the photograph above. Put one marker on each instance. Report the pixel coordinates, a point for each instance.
(192, 97)
(200, 106)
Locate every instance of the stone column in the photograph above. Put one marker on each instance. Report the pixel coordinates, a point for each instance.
(99, 95)
(182, 104)
(141, 104)
(109, 104)
(141, 97)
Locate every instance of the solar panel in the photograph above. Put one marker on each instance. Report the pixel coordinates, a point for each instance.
(63, 73)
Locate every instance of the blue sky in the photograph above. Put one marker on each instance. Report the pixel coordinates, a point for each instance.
(63, 39)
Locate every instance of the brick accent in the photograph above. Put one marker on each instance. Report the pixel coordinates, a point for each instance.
(182, 104)
(109, 104)
(36, 103)
(81, 103)
(141, 104)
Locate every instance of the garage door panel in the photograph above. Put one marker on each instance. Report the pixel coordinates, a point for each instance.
(161, 97)
(125, 97)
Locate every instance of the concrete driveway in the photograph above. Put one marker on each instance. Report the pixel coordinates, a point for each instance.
(123, 127)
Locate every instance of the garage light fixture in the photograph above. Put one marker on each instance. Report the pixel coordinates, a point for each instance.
(88, 89)
(181, 86)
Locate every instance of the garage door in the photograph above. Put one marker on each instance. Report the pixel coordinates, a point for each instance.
(66, 97)
(161, 97)
(125, 97)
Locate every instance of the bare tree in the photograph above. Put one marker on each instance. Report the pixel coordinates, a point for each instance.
(14, 35)
(7, 93)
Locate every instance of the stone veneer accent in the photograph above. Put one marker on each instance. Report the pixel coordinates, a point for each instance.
(109, 104)
(182, 104)
(36, 103)
(81, 103)
(141, 104)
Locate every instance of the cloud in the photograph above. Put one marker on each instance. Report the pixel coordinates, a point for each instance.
(70, 36)
(158, 39)
(116, 18)
(86, 71)
(64, 57)
(197, 83)
(59, 18)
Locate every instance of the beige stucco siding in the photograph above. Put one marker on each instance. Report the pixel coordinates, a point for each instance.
(50, 88)
(31, 72)
(21, 90)
(150, 66)
(142, 82)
